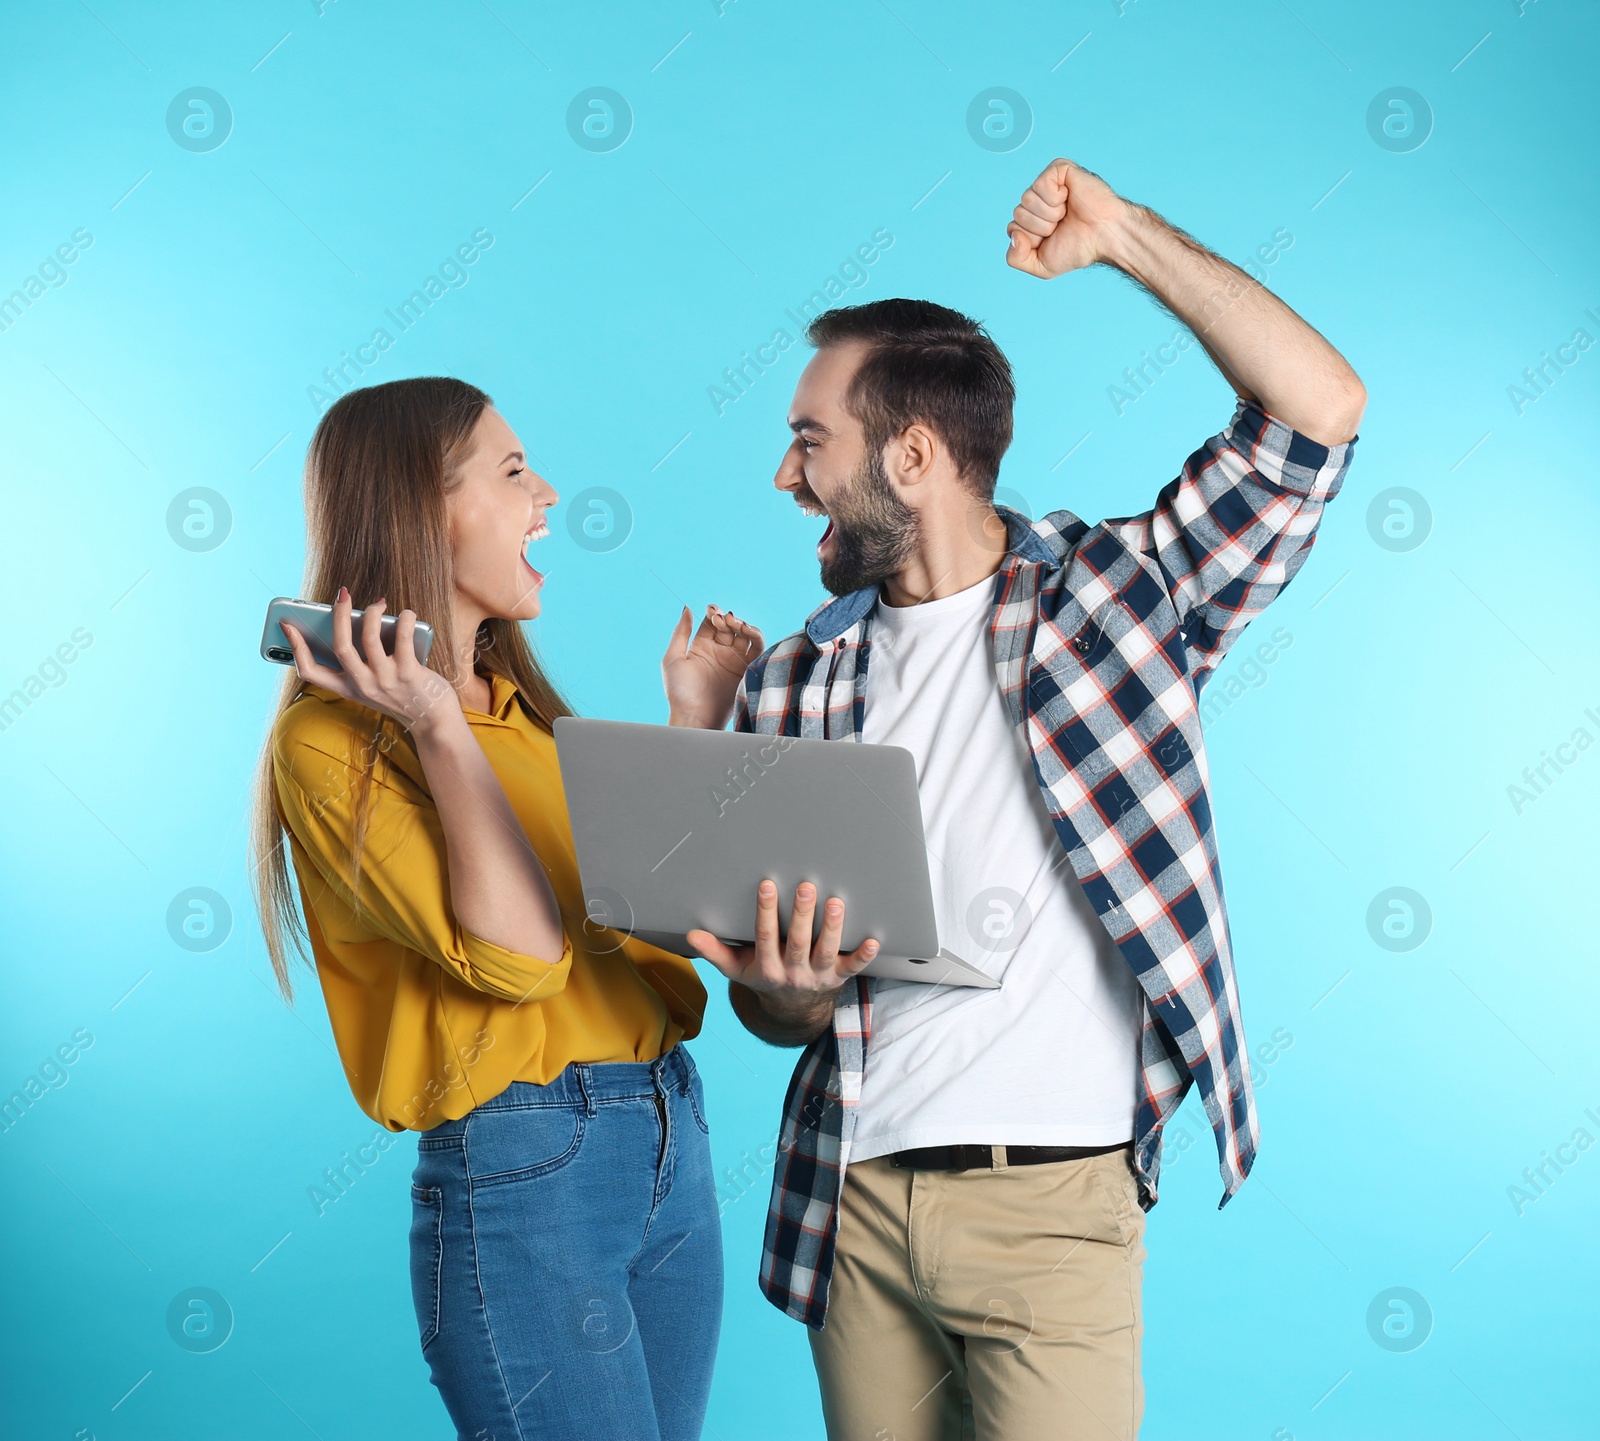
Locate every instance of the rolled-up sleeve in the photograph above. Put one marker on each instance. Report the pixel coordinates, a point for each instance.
(403, 890)
(1231, 531)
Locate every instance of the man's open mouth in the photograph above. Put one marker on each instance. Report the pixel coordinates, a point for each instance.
(810, 505)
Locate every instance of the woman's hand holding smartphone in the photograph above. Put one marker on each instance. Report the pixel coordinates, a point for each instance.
(399, 685)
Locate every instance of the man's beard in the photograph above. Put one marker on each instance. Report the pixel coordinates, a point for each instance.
(874, 531)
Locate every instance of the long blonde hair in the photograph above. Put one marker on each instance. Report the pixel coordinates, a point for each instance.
(378, 471)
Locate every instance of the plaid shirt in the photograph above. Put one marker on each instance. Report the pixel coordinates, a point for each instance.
(1103, 636)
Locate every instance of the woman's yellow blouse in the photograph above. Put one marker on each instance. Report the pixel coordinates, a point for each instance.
(431, 1020)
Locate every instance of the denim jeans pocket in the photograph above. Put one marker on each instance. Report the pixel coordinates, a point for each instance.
(521, 1143)
(427, 1257)
(697, 1102)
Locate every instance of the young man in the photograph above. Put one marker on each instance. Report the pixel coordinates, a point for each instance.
(963, 1173)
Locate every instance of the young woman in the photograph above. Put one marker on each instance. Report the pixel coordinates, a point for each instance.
(565, 1247)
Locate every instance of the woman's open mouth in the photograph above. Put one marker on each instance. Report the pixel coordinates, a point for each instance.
(535, 532)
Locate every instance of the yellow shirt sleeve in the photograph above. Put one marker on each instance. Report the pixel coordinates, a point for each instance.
(404, 887)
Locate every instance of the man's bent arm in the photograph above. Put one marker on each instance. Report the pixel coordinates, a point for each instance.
(1070, 218)
(792, 1022)
(1268, 353)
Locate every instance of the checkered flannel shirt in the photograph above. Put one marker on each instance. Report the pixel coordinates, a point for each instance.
(1103, 636)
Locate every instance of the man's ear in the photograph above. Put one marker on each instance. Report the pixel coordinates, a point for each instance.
(911, 457)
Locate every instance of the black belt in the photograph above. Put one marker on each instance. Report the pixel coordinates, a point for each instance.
(981, 1158)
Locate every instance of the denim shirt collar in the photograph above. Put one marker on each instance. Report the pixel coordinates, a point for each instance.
(832, 619)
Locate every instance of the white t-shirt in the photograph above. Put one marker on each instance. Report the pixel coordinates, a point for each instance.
(1051, 1057)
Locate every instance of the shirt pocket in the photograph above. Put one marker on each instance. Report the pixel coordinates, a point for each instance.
(1075, 670)
(1083, 640)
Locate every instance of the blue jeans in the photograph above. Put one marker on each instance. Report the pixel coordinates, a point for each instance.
(566, 1257)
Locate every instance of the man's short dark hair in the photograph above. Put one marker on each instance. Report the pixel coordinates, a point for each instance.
(927, 363)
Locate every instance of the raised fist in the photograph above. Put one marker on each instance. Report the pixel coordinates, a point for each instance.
(1062, 221)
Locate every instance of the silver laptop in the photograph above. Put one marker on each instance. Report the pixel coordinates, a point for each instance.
(676, 827)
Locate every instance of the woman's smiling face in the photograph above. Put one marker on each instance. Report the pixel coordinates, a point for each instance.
(497, 509)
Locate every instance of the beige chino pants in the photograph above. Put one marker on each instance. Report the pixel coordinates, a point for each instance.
(995, 1305)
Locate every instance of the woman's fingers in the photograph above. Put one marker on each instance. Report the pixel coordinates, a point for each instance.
(309, 668)
(344, 646)
(395, 684)
(405, 643)
(418, 693)
(378, 660)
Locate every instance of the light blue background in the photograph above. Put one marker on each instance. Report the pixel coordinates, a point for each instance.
(768, 141)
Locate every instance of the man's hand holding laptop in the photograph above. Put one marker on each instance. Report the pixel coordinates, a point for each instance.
(792, 982)
(789, 984)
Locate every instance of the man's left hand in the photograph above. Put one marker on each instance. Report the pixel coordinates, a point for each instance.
(702, 675)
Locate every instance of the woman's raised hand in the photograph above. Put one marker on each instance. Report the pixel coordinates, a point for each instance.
(398, 685)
